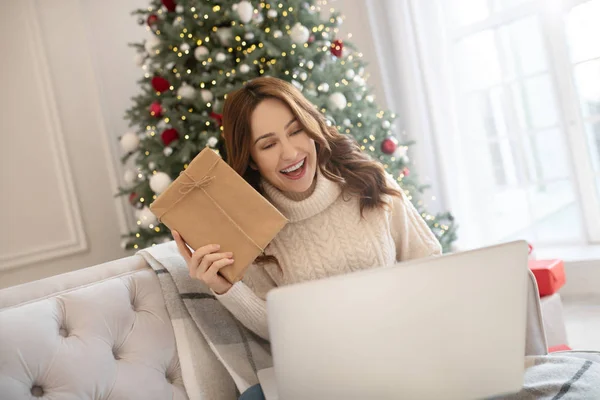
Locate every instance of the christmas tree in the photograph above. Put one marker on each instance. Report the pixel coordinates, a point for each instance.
(200, 50)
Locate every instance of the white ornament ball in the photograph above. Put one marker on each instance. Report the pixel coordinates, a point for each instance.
(328, 122)
(359, 80)
(159, 182)
(234, 7)
(249, 36)
(297, 84)
(350, 74)
(347, 122)
(258, 18)
(146, 217)
(179, 9)
(167, 151)
(161, 125)
(129, 142)
(272, 13)
(170, 65)
(323, 87)
(386, 124)
(129, 176)
(186, 92)
(245, 11)
(299, 33)
(337, 101)
(325, 35)
(221, 57)
(310, 64)
(244, 69)
(225, 36)
(151, 44)
(151, 165)
(400, 151)
(184, 47)
(369, 98)
(201, 53)
(277, 34)
(139, 59)
(303, 76)
(212, 141)
(207, 95)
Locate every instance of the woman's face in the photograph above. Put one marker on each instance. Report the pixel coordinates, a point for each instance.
(281, 150)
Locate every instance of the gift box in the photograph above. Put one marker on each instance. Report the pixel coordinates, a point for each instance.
(210, 203)
(549, 274)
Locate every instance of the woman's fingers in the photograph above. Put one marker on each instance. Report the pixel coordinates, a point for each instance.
(212, 274)
(209, 259)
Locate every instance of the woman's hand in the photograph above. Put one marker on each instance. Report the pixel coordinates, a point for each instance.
(204, 264)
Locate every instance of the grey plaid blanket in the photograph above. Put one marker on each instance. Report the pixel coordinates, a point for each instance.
(201, 324)
(199, 319)
(555, 377)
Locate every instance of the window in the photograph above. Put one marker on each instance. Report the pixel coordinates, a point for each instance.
(522, 79)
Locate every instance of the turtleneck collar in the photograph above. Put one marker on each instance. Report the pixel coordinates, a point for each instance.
(325, 193)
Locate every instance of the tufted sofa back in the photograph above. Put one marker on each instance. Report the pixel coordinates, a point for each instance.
(98, 333)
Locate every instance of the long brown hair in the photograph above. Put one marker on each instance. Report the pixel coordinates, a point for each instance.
(338, 155)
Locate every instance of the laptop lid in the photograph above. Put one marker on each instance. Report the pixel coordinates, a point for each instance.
(449, 327)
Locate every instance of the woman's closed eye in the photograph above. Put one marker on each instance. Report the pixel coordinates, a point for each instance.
(296, 132)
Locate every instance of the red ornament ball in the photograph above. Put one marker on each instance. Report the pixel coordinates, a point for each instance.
(156, 109)
(160, 84)
(311, 38)
(405, 171)
(217, 117)
(132, 198)
(337, 48)
(152, 20)
(389, 145)
(169, 4)
(169, 135)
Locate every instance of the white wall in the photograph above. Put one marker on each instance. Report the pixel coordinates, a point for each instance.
(57, 168)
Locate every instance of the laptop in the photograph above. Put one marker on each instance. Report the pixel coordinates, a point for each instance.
(448, 327)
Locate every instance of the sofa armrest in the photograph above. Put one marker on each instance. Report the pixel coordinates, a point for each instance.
(535, 344)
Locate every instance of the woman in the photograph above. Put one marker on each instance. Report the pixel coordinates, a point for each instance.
(345, 212)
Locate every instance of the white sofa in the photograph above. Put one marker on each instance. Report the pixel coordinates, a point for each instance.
(103, 333)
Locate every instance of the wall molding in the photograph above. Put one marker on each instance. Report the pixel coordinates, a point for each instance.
(77, 242)
(111, 152)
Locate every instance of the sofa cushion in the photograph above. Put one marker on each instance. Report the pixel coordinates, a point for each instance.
(106, 339)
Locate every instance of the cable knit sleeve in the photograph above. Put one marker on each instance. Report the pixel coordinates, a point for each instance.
(411, 234)
(246, 300)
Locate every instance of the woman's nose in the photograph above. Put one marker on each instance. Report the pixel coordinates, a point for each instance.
(289, 152)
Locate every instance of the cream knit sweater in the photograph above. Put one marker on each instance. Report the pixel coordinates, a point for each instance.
(326, 236)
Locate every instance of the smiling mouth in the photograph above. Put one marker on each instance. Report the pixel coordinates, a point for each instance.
(295, 171)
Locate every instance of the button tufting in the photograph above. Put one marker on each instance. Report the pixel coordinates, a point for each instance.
(115, 355)
(63, 332)
(37, 391)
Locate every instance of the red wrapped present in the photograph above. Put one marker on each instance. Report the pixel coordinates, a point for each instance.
(549, 274)
(560, 347)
